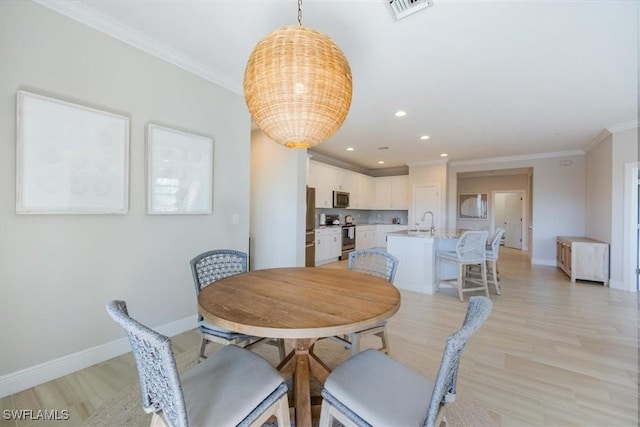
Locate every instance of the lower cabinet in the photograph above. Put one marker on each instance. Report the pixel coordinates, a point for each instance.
(365, 236)
(328, 245)
(582, 258)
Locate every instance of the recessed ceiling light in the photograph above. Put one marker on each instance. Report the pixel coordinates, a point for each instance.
(425, 137)
(401, 113)
(381, 162)
(349, 148)
(443, 155)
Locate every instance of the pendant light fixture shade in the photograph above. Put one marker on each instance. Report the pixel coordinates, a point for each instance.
(297, 86)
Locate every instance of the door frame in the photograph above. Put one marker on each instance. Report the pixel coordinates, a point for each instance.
(630, 222)
(524, 246)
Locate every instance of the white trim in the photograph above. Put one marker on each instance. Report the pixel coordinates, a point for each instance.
(429, 163)
(597, 140)
(539, 261)
(107, 25)
(518, 158)
(631, 124)
(617, 284)
(52, 369)
(629, 223)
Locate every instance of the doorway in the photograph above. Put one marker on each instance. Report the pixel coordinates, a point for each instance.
(508, 213)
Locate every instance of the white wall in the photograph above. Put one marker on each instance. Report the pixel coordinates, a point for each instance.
(58, 271)
(558, 197)
(625, 150)
(598, 192)
(278, 203)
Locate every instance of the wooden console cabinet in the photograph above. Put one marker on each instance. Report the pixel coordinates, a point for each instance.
(583, 258)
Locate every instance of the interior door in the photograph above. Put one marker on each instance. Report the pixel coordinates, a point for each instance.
(513, 221)
(425, 198)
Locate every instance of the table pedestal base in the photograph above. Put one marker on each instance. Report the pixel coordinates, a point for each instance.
(301, 364)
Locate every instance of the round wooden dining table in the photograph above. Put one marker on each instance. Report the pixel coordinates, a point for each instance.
(299, 304)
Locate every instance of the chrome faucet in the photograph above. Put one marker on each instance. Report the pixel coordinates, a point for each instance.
(432, 229)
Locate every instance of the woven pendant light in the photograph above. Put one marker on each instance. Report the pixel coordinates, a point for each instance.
(297, 86)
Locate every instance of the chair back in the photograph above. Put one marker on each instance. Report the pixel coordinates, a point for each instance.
(215, 265)
(374, 262)
(444, 390)
(472, 245)
(157, 372)
(495, 242)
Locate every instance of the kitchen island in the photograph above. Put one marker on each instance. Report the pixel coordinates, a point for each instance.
(416, 253)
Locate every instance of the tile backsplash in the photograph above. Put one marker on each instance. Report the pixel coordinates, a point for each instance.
(365, 216)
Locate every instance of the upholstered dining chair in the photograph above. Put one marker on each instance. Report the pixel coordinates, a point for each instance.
(491, 255)
(383, 265)
(209, 267)
(233, 387)
(371, 389)
(470, 251)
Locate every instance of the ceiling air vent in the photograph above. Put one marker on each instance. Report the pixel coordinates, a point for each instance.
(403, 8)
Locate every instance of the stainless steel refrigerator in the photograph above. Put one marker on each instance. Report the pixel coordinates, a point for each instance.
(310, 234)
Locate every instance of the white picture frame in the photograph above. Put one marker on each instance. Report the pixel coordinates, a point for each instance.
(70, 158)
(179, 172)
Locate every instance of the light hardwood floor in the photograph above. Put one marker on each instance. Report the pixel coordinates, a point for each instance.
(552, 353)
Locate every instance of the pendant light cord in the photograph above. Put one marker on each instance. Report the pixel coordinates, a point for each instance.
(300, 12)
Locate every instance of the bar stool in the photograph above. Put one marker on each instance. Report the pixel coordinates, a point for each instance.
(470, 250)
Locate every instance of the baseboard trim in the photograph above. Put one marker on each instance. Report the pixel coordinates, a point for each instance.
(619, 284)
(549, 262)
(56, 368)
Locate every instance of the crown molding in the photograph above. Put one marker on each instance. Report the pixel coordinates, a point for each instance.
(428, 163)
(85, 15)
(631, 124)
(519, 158)
(604, 134)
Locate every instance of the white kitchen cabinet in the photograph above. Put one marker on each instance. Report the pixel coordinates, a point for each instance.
(362, 198)
(382, 193)
(328, 245)
(392, 192)
(582, 258)
(365, 236)
(400, 192)
(322, 178)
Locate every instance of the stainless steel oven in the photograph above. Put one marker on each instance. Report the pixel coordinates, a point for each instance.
(348, 240)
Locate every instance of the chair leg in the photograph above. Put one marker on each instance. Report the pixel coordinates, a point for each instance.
(203, 346)
(384, 337)
(437, 284)
(355, 343)
(494, 274)
(460, 280)
(281, 350)
(483, 267)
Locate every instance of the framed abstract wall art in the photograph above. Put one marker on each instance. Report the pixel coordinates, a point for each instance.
(71, 159)
(179, 172)
(472, 206)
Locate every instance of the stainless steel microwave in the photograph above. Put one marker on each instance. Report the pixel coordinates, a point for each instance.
(340, 199)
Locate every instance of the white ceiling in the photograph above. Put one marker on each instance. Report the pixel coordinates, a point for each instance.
(483, 79)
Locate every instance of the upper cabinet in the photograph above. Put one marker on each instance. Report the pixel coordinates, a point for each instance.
(321, 178)
(390, 192)
(363, 197)
(400, 192)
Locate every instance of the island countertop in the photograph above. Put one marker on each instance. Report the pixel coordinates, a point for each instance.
(439, 234)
